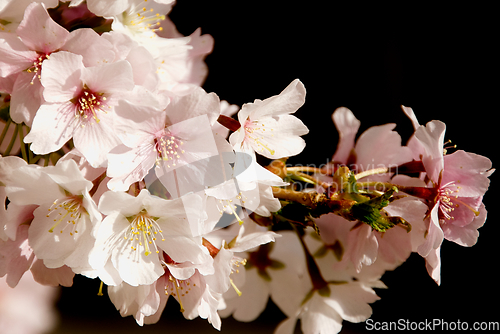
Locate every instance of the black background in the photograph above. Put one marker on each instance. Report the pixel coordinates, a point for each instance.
(442, 62)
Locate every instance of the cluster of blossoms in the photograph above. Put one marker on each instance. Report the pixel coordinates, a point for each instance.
(121, 167)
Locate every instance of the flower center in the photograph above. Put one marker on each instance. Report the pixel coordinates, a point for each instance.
(168, 148)
(252, 129)
(143, 231)
(141, 19)
(87, 105)
(448, 201)
(66, 211)
(178, 288)
(228, 206)
(37, 67)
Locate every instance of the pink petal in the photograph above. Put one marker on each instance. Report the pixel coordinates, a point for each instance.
(380, 146)
(193, 105)
(109, 78)
(26, 98)
(347, 126)
(96, 50)
(411, 115)
(467, 171)
(61, 76)
(433, 265)
(39, 32)
(465, 235)
(16, 56)
(431, 137)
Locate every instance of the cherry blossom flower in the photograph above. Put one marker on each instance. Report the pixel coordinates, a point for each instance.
(12, 12)
(17, 258)
(248, 186)
(7, 165)
(23, 54)
(177, 59)
(346, 296)
(140, 301)
(177, 140)
(267, 126)
(379, 146)
(197, 294)
(193, 70)
(137, 230)
(457, 183)
(110, 8)
(357, 244)
(143, 65)
(61, 232)
(16, 255)
(193, 294)
(147, 302)
(79, 105)
(270, 271)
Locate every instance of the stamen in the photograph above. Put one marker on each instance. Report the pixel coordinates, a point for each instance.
(37, 67)
(68, 211)
(100, 289)
(142, 19)
(166, 145)
(143, 231)
(447, 147)
(235, 287)
(448, 198)
(87, 105)
(176, 285)
(252, 130)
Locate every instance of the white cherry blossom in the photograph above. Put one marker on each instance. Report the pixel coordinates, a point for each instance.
(137, 232)
(267, 126)
(61, 232)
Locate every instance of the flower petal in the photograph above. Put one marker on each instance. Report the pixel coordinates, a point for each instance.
(39, 32)
(347, 126)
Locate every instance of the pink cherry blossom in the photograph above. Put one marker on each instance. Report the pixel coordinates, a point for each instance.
(178, 140)
(23, 54)
(457, 184)
(379, 146)
(79, 105)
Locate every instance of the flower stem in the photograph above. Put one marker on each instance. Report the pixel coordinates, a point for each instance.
(308, 178)
(381, 186)
(375, 171)
(229, 123)
(305, 169)
(319, 203)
